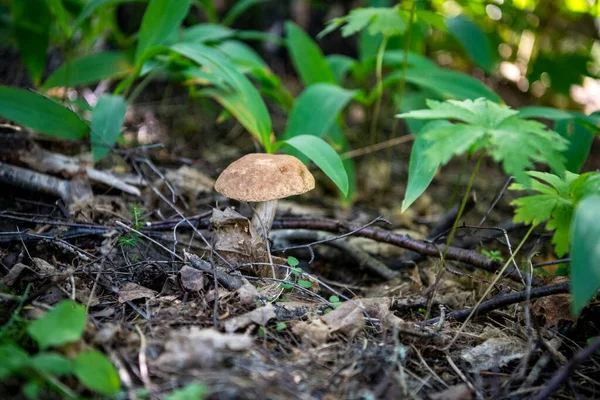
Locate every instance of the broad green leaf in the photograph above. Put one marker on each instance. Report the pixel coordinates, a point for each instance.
(308, 119)
(161, 19)
(32, 390)
(304, 283)
(433, 19)
(97, 373)
(307, 57)
(51, 363)
(322, 154)
(60, 13)
(580, 142)
(239, 7)
(207, 33)
(61, 325)
(107, 120)
(450, 84)
(192, 391)
(14, 358)
(242, 54)
(544, 112)
(411, 101)
(90, 69)
(473, 40)
(91, 7)
(40, 114)
(340, 143)
(32, 21)
(340, 65)
(585, 253)
(231, 89)
(422, 166)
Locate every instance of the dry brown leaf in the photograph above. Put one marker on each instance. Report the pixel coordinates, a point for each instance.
(347, 319)
(247, 293)
(494, 353)
(133, 291)
(199, 348)
(13, 274)
(314, 332)
(261, 316)
(191, 279)
(554, 309)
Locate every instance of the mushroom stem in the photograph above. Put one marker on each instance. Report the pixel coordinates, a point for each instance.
(264, 214)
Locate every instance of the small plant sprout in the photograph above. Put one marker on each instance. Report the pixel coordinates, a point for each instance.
(264, 179)
(493, 255)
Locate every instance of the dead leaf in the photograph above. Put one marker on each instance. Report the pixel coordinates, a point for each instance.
(261, 316)
(200, 348)
(347, 319)
(43, 267)
(133, 291)
(247, 293)
(314, 332)
(555, 309)
(191, 279)
(494, 353)
(189, 182)
(457, 392)
(13, 274)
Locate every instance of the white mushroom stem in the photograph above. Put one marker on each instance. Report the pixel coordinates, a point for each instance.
(264, 214)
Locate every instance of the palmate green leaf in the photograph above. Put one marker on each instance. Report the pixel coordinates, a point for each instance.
(32, 19)
(40, 114)
(161, 19)
(422, 166)
(324, 156)
(514, 142)
(107, 120)
(388, 21)
(231, 89)
(96, 372)
(585, 253)
(307, 57)
(316, 110)
(555, 204)
(61, 325)
(473, 40)
(90, 69)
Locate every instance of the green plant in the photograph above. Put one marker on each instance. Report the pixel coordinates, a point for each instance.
(493, 255)
(295, 276)
(47, 368)
(192, 391)
(137, 223)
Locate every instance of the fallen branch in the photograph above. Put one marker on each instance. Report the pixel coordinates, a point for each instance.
(504, 300)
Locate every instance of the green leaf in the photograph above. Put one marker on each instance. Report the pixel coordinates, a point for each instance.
(340, 65)
(231, 89)
(241, 54)
(473, 40)
(305, 284)
(32, 21)
(286, 285)
(91, 7)
(161, 19)
(450, 84)
(433, 19)
(192, 391)
(388, 21)
(544, 112)
(60, 13)
(107, 120)
(558, 196)
(51, 363)
(422, 166)
(14, 358)
(585, 253)
(239, 7)
(207, 33)
(97, 373)
(307, 119)
(292, 261)
(307, 57)
(322, 154)
(40, 114)
(280, 326)
(66, 323)
(90, 69)
(580, 142)
(514, 142)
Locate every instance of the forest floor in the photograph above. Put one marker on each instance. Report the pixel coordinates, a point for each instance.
(365, 317)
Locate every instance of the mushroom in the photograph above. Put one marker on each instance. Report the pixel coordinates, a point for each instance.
(264, 178)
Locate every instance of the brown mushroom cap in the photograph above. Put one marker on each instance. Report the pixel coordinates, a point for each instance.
(263, 177)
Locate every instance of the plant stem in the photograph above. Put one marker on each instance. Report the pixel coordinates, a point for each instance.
(489, 289)
(379, 76)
